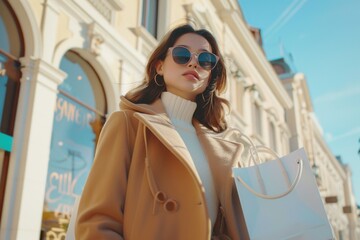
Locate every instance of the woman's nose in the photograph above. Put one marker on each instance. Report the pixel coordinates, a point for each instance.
(193, 61)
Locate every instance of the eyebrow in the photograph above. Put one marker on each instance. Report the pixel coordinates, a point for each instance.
(188, 47)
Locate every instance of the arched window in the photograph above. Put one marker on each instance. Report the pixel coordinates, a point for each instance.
(11, 49)
(79, 116)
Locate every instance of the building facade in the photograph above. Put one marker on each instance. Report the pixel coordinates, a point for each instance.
(64, 65)
(333, 177)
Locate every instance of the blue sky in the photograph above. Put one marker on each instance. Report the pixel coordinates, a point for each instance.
(323, 38)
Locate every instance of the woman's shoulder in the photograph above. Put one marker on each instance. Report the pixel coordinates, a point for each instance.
(122, 116)
(120, 123)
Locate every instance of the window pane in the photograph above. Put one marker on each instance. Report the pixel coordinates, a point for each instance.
(3, 85)
(11, 48)
(11, 40)
(9, 92)
(149, 16)
(82, 81)
(4, 43)
(78, 119)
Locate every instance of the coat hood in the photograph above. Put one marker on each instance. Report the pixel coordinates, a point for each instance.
(154, 108)
(157, 108)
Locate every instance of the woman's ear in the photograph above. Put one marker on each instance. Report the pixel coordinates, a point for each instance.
(159, 67)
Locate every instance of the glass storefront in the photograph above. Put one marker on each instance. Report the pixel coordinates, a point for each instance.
(78, 118)
(11, 49)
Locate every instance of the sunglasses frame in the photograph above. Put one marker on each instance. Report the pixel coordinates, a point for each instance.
(196, 57)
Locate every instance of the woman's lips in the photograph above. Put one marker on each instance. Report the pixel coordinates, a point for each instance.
(191, 75)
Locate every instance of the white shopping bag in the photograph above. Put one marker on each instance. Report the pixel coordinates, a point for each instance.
(280, 199)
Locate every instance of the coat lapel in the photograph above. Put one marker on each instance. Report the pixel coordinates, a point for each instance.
(222, 153)
(160, 125)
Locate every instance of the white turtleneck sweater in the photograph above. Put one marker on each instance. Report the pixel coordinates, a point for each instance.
(181, 112)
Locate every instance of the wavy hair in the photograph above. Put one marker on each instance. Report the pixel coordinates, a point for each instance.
(210, 110)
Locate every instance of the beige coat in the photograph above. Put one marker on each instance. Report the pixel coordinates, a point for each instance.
(143, 184)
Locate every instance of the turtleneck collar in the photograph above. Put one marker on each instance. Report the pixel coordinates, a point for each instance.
(177, 107)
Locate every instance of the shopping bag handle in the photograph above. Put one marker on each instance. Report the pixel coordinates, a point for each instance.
(254, 153)
(258, 149)
(265, 196)
(254, 150)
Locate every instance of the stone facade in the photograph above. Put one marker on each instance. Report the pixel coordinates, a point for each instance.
(115, 37)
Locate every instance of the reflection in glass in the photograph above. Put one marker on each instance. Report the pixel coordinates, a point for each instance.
(3, 83)
(78, 118)
(4, 43)
(9, 91)
(11, 40)
(11, 49)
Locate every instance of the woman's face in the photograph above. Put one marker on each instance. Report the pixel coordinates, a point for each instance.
(190, 79)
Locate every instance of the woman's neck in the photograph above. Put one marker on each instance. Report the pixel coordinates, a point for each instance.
(177, 107)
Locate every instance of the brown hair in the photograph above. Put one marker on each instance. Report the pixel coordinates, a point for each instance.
(210, 107)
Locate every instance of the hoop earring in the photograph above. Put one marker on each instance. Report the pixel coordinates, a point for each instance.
(156, 82)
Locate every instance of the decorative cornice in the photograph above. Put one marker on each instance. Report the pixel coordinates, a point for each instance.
(31, 67)
(148, 39)
(103, 8)
(119, 46)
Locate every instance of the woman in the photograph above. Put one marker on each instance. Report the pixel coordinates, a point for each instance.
(162, 169)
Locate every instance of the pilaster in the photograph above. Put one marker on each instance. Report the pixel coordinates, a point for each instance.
(32, 136)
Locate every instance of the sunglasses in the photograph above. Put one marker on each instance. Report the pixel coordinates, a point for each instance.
(182, 55)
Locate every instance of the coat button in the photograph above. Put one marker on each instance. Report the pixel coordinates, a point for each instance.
(160, 197)
(171, 205)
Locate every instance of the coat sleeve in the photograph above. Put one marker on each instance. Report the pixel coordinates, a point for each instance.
(101, 209)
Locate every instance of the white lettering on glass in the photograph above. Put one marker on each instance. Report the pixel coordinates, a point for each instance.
(72, 113)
